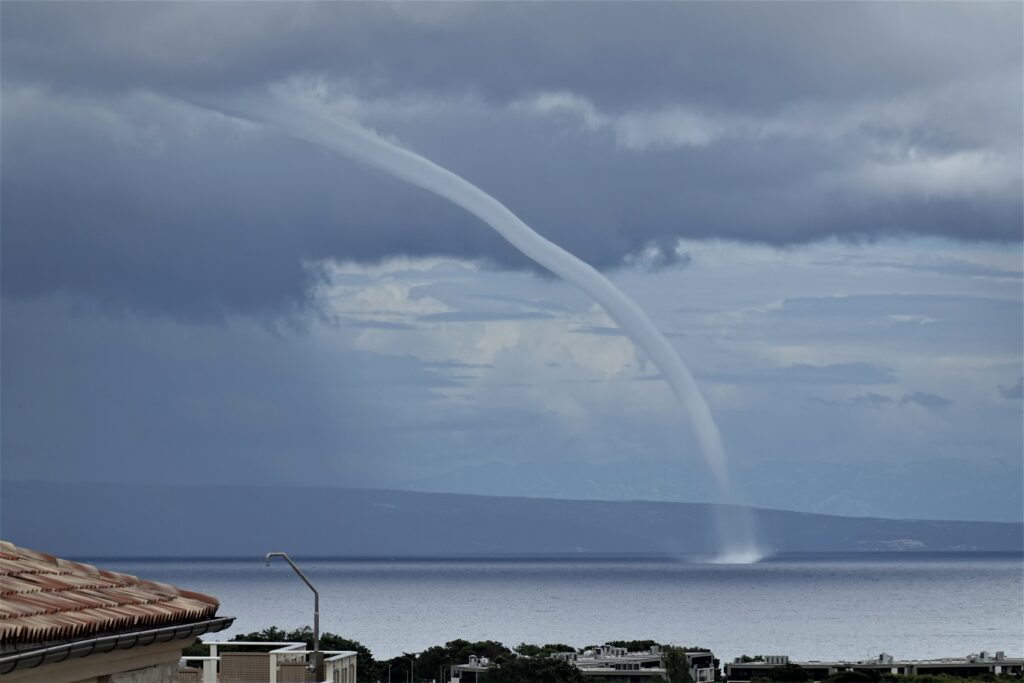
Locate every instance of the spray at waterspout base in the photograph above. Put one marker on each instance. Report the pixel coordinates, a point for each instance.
(735, 527)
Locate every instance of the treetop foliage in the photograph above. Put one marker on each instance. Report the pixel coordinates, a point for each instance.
(531, 670)
(530, 650)
(635, 645)
(788, 673)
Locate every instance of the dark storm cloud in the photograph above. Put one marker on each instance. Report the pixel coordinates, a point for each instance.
(919, 398)
(925, 400)
(865, 307)
(200, 226)
(359, 323)
(482, 316)
(871, 399)
(658, 255)
(601, 330)
(799, 373)
(114, 188)
(1014, 391)
(953, 267)
(804, 373)
(730, 54)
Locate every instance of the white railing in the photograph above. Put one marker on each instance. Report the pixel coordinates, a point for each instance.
(335, 660)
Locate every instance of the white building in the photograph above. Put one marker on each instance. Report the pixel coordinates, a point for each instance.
(609, 664)
(266, 662)
(972, 665)
(470, 671)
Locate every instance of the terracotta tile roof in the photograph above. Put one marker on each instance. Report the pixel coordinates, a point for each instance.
(45, 599)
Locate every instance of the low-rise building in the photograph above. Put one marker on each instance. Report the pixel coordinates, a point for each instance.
(609, 664)
(746, 669)
(69, 622)
(612, 664)
(471, 670)
(237, 661)
(702, 665)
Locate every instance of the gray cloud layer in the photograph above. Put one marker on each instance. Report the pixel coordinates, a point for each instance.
(614, 129)
(746, 55)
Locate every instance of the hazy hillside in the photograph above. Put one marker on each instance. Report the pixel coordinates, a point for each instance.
(154, 520)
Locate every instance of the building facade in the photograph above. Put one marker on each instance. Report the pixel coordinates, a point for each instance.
(972, 665)
(471, 670)
(616, 665)
(609, 664)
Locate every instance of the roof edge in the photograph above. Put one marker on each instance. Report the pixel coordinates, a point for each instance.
(29, 659)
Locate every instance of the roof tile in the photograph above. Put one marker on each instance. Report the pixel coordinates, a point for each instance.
(44, 598)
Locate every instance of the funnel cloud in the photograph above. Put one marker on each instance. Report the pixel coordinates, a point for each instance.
(319, 127)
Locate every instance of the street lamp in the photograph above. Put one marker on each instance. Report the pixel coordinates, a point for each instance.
(318, 660)
(412, 668)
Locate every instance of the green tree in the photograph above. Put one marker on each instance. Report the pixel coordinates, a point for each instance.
(533, 670)
(851, 677)
(946, 678)
(530, 650)
(366, 666)
(439, 658)
(676, 666)
(634, 645)
(788, 673)
(434, 661)
(491, 649)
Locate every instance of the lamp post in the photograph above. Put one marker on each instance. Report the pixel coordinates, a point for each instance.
(318, 659)
(412, 666)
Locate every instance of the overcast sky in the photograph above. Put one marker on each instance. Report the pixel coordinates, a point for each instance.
(819, 203)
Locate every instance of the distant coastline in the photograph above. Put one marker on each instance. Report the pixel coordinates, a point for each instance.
(146, 520)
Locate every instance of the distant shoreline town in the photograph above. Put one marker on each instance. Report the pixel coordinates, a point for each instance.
(633, 661)
(614, 662)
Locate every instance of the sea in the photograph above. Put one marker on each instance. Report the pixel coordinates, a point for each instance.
(824, 606)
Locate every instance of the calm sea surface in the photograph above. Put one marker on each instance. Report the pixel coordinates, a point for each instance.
(810, 607)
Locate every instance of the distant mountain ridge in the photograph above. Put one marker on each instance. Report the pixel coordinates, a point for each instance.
(154, 520)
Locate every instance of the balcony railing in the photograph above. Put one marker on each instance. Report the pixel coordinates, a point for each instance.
(251, 662)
